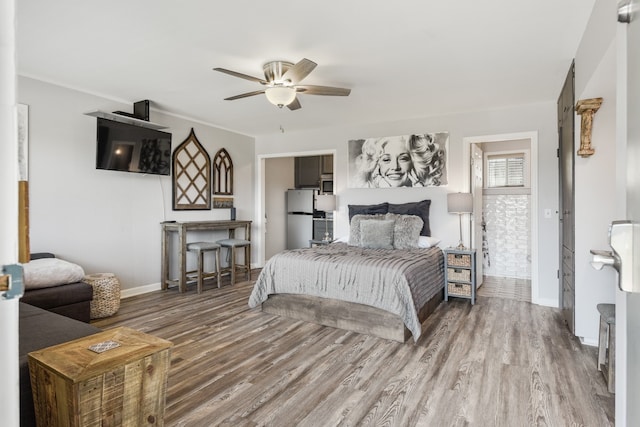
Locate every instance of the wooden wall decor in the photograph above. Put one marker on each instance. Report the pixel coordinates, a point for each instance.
(24, 247)
(222, 173)
(587, 109)
(191, 175)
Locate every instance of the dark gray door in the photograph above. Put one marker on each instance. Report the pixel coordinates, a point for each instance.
(565, 154)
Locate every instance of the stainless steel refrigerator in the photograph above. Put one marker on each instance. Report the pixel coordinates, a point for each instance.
(300, 211)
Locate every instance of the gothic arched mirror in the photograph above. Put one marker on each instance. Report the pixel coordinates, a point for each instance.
(191, 175)
(222, 173)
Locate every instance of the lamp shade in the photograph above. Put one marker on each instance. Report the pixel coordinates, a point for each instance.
(460, 203)
(326, 202)
(280, 95)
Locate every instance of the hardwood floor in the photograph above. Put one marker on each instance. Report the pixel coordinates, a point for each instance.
(500, 362)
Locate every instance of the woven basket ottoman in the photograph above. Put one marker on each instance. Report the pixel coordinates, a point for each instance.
(106, 294)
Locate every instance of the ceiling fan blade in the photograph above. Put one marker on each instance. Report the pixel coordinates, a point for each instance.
(294, 105)
(323, 90)
(299, 71)
(242, 76)
(245, 95)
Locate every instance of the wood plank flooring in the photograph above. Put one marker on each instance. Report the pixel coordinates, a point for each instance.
(500, 362)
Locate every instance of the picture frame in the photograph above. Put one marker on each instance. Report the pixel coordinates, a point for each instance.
(412, 160)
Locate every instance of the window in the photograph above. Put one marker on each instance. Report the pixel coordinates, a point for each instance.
(506, 170)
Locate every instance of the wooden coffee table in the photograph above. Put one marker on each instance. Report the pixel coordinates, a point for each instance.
(125, 385)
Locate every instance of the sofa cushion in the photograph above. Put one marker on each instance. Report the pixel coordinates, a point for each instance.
(46, 272)
(58, 296)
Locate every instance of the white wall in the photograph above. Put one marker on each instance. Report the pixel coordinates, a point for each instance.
(536, 117)
(595, 176)
(109, 221)
(595, 208)
(600, 66)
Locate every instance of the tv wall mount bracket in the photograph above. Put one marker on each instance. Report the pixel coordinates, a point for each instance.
(140, 111)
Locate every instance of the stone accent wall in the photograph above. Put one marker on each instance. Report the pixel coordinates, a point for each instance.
(507, 243)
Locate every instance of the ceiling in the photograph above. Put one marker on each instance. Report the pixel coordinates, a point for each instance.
(410, 58)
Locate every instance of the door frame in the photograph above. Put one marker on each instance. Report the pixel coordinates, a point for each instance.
(532, 136)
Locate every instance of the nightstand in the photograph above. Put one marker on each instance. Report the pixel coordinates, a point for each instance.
(318, 242)
(460, 274)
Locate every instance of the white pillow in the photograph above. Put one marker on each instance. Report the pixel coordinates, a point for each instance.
(342, 239)
(47, 272)
(427, 241)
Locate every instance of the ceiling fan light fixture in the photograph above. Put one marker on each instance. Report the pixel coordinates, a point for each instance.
(280, 95)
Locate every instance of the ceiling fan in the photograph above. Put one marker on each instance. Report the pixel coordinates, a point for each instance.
(281, 83)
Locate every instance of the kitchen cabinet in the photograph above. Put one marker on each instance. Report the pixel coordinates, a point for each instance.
(309, 168)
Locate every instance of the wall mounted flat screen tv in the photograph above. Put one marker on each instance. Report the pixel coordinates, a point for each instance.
(131, 148)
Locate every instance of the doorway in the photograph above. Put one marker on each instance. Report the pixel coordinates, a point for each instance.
(275, 174)
(503, 225)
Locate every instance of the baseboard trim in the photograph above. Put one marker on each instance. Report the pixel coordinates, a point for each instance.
(547, 302)
(130, 292)
(589, 341)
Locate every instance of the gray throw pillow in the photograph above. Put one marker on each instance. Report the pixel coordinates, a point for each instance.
(406, 231)
(376, 234)
(354, 227)
(420, 209)
(381, 208)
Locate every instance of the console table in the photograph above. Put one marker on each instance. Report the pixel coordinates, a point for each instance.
(183, 228)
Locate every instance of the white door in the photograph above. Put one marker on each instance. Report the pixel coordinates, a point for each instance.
(9, 390)
(476, 218)
(633, 213)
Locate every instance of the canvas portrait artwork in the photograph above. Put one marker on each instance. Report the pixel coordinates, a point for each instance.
(418, 160)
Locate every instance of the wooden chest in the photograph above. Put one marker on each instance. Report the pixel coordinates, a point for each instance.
(122, 386)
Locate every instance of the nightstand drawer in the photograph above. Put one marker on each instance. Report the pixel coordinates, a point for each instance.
(459, 260)
(459, 289)
(461, 274)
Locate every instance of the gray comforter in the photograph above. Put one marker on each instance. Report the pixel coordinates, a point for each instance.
(398, 281)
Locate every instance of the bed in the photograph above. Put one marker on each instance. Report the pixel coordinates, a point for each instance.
(383, 282)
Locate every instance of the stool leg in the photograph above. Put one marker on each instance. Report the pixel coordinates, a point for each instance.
(602, 343)
(218, 266)
(247, 261)
(233, 265)
(200, 270)
(611, 371)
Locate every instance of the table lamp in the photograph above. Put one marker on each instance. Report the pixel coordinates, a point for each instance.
(460, 203)
(326, 203)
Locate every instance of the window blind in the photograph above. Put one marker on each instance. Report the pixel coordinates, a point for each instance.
(506, 170)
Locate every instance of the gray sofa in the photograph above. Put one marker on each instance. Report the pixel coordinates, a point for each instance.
(40, 329)
(50, 316)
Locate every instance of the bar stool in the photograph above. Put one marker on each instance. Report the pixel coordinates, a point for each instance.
(607, 341)
(232, 245)
(200, 248)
